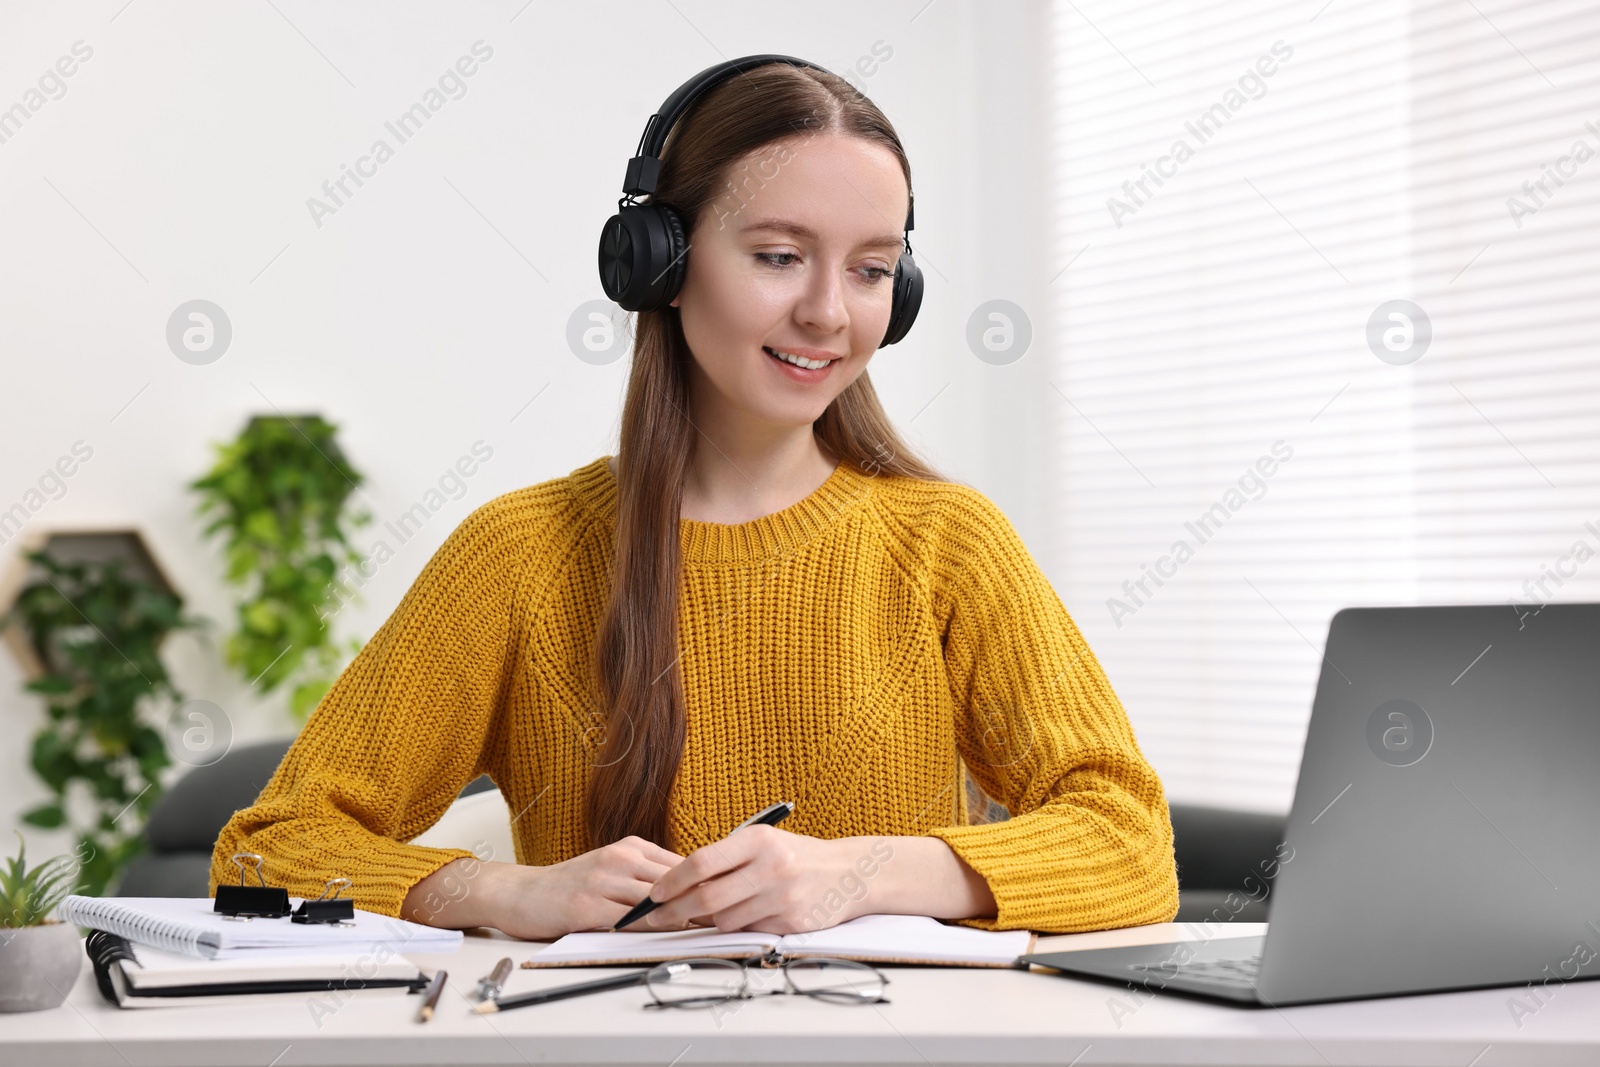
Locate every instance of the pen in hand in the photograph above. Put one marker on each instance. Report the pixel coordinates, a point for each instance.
(766, 816)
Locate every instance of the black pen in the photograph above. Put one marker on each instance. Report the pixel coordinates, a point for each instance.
(768, 816)
(544, 996)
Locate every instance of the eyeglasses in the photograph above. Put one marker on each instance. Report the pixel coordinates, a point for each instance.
(705, 983)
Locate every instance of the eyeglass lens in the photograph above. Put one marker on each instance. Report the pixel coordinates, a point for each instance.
(845, 981)
(695, 983)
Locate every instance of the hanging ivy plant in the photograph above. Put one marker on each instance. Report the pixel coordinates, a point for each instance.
(96, 629)
(281, 497)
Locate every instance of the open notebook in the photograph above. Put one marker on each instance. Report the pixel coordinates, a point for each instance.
(869, 939)
(189, 926)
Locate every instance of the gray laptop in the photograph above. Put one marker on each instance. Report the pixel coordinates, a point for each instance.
(1445, 832)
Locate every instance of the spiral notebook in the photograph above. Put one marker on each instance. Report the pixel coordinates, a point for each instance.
(869, 939)
(188, 926)
(138, 976)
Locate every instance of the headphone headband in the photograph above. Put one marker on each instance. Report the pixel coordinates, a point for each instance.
(641, 179)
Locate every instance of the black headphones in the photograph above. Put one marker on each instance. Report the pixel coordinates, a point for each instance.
(644, 248)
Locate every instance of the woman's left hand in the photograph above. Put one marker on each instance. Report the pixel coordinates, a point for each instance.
(767, 879)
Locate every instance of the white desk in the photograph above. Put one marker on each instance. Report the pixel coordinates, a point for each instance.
(937, 1016)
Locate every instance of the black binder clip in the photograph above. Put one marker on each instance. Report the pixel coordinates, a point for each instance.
(241, 902)
(329, 908)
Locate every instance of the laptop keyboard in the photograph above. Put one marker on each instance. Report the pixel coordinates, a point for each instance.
(1240, 971)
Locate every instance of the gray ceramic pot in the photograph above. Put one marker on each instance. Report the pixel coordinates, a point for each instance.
(38, 965)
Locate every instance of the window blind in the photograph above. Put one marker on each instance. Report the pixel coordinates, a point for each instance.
(1325, 336)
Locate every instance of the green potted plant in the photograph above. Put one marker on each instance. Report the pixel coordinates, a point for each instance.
(280, 496)
(39, 956)
(94, 631)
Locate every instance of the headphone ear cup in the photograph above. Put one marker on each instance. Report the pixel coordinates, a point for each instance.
(906, 302)
(670, 276)
(643, 256)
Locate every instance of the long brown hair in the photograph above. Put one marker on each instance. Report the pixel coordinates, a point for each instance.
(636, 654)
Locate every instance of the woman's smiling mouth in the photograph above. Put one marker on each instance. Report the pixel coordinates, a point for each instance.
(805, 364)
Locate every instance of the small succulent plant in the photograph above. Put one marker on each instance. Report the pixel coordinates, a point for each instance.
(27, 895)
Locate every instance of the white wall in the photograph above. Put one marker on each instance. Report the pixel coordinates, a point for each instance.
(178, 163)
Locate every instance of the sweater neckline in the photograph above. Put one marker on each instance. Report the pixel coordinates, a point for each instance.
(779, 534)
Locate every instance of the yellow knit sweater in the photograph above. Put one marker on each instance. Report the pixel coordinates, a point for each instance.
(850, 653)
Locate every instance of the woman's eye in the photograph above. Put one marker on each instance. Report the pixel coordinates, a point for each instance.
(873, 275)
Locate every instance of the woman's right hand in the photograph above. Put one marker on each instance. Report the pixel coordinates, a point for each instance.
(587, 892)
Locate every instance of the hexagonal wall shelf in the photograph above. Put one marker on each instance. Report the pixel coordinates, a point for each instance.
(71, 546)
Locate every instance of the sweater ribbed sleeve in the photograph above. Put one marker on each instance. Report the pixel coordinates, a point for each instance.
(397, 736)
(1089, 843)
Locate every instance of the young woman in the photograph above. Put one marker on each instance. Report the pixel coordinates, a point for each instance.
(764, 596)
